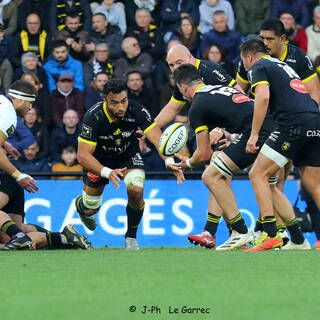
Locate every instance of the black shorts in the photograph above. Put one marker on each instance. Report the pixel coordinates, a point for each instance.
(237, 151)
(131, 159)
(9, 186)
(300, 143)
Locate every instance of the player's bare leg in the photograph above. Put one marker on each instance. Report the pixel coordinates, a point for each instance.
(310, 176)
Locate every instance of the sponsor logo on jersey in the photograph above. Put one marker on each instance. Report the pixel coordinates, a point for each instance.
(285, 146)
(239, 98)
(298, 86)
(93, 177)
(220, 76)
(10, 130)
(313, 133)
(126, 134)
(117, 132)
(86, 131)
(137, 160)
(118, 142)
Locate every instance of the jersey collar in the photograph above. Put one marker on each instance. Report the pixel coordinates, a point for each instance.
(285, 51)
(198, 87)
(107, 113)
(197, 63)
(265, 56)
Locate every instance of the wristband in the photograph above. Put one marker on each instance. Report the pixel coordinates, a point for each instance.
(22, 176)
(16, 174)
(188, 164)
(169, 161)
(105, 172)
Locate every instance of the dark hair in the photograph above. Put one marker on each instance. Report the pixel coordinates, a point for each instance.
(115, 86)
(100, 14)
(33, 75)
(72, 15)
(223, 53)
(133, 71)
(58, 44)
(24, 86)
(253, 46)
(98, 73)
(186, 73)
(188, 41)
(274, 25)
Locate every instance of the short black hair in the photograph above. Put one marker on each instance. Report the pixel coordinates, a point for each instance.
(58, 44)
(274, 25)
(23, 86)
(133, 71)
(253, 46)
(186, 73)
(115, 86)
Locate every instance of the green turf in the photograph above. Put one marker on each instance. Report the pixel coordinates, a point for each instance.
(103, 283)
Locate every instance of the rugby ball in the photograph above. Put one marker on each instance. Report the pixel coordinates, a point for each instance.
(173, 139)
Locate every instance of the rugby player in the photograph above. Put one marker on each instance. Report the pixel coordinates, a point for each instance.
(278, 87)
(213, 74)
(108, 141)
(19, 100)
(273, 34)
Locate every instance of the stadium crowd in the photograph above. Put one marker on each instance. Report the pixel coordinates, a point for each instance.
(70, 49)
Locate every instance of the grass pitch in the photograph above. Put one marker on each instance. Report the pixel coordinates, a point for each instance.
(105, 282)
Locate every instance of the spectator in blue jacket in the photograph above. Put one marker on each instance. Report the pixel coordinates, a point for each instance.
(60, 62)
(220, 35)
(173, 10)
(298, 8)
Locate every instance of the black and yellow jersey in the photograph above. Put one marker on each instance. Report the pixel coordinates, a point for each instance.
(290, 102)
(212, 74)
(294, 57)
(220, 106)
(114, 138)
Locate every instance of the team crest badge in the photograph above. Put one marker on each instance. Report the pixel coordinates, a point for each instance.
(118, 142)
(10, 130)
(285, 146)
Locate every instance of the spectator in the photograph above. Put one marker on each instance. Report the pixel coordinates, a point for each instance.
(218, 55)
(222, 36)
(208, 8)
(250, 14)
(61, 8)
(40, 7)
(298, 8)
(166, 92)
(6, 71)
(65, 135)
(9, 14)
(60, 62)
(140, 94)
(114, 13)
(188, 35)
(295, 34)
(32, 161)
(134, 59)
(173, 10)
(38, 130)
(103, 32)
(100, 62)
(94, 93)
(75, 37)
(66, 97)
(5, 42)
(42, 103)
(33, 39)
(313, 34)
(148, 35)
(68, 164)
(29, 63)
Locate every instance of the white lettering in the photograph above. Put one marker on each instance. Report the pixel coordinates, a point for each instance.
(176, 209)
(46, 220)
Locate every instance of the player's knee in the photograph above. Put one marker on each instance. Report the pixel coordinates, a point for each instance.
(89, 204)
(221, 168)
(135, 196)
(135, 178)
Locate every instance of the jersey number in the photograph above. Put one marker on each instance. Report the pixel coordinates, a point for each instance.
(290, 72)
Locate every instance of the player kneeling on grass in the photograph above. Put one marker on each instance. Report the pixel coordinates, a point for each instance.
(218, 106)
(108, 141)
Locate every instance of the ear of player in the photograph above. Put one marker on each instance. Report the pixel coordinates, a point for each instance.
(173, 139)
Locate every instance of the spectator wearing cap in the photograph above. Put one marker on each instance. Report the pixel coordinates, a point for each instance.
(75, 37)
(66, 97)
(94, 93)
(5, 42)
(134, 60)
(103, 32)
(59, 9)
(9, 16)
(114, 13)
(33, 39)
(60, 61)
(100, 62)
(29, 63)
(149, 36)
(40, 7)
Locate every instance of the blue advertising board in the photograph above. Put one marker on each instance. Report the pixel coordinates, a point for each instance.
(172, 211)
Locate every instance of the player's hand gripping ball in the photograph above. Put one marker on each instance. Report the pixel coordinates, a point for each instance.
(173, 139)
